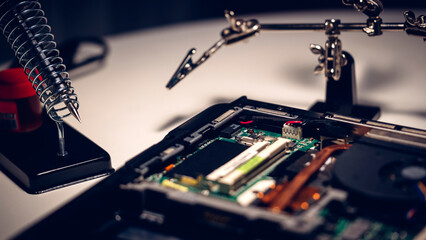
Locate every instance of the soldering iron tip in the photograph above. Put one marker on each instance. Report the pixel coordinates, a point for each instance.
(73, 110)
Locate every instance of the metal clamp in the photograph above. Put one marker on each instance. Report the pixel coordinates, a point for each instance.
(239, 30)
(188, 65)
(331, 59)
(371, 8)
(415, 26)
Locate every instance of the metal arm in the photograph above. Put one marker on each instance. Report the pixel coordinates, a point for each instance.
(239, 30)
(242, 29)
(343, 27)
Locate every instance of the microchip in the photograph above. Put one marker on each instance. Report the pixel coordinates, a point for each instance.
(293, 164)
(208, 159)
(300, 163)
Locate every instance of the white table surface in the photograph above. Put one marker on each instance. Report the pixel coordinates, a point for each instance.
(125, 107)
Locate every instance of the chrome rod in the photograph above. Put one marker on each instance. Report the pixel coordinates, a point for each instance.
(321, 27)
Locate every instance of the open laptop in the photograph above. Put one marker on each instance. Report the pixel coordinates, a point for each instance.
(255, 170)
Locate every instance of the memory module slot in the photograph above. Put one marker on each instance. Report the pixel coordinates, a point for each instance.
(237, 161)
(246, 178)
(255, 165)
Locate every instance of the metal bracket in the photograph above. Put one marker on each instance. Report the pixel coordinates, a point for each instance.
(331, 59)
(240, 29)
(371, 8)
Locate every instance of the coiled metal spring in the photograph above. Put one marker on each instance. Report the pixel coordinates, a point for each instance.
(26, 30)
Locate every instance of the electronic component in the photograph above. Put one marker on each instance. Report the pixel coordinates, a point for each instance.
(169, 167)
(255, 191)
(237, 161)
(294, 168)
(230, 130)
(281, 169)
(250, 177)
(249, 141)
(356, 229)
(224, 116)
(210, 158)
(292, 129)
(261, 153)
(189, 181)
(240, 175)
(170, 184)
(378, 173)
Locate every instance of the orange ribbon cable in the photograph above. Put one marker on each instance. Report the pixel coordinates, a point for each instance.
(282, 196)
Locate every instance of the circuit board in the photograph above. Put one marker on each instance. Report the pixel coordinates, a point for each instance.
(247, 165)
(197, 178)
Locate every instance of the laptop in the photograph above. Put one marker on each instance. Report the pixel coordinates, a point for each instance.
(255, 170)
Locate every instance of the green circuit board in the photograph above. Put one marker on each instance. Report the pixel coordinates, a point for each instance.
(199, 183)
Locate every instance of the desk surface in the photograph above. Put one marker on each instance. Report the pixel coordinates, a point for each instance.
(125, 107)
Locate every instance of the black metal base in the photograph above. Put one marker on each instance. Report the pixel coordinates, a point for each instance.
(356, 111)
(31, 160)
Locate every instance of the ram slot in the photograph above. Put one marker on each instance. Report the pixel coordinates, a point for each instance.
(254, 166)
(237, 161)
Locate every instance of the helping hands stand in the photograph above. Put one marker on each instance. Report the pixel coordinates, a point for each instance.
(337, 65)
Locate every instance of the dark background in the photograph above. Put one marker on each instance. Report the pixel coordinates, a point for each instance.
(72, 18)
